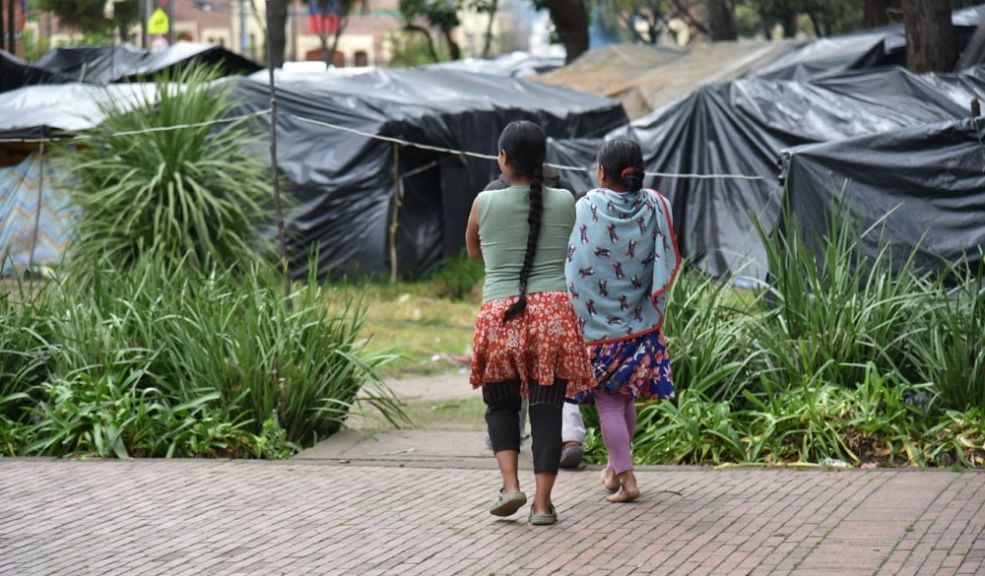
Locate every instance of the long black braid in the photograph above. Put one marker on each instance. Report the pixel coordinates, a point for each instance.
(526, 147)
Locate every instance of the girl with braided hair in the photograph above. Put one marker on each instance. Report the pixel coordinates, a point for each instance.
(621, 306)
(527, 341)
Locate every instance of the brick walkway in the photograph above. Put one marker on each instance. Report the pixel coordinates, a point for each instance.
(314, 517)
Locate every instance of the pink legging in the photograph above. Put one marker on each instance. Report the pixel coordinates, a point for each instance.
(617, 416)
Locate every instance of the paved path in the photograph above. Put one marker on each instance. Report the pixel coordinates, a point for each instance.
(321, 517)
(440, 387)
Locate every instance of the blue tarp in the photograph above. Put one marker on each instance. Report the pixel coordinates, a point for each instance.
(32, 221)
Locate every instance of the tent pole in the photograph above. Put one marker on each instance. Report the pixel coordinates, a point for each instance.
(278, 205)
(397, 200)
(37, 212)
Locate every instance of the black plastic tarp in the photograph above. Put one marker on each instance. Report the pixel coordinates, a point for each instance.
(874, 48)
(578, 154)
(15, 73)
(105, 64)
(343, 183)
(741, 128)
(920, 187)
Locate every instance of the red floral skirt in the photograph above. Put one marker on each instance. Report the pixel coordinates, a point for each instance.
(542, 345)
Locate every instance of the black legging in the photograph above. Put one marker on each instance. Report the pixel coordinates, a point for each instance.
(503, 401)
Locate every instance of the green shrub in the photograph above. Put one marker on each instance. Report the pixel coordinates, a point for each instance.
(193, 192)
(168, 361)
(708, 336)
(836, 312)
(947, 346)
(839, 355)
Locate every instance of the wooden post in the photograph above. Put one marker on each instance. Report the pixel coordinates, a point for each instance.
(397, 201)
(37, 212)
(278, 205)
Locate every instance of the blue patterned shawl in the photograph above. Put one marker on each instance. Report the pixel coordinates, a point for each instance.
(622, 258)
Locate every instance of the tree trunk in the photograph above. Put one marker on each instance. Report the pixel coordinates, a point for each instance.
(721, 20)
(570, 18)
(12, 25)
(931, 43)
(816, 24)
(345, 8)
(427, 36)
(875, 13)
(277, 30)
(454, 51)
(487, 42)
(3, 33)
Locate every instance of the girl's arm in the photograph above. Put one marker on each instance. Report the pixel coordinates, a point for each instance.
(472, 243)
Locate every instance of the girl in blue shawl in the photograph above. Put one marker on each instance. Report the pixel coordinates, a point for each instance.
(622, 259)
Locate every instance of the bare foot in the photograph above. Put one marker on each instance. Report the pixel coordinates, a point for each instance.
(625, 494)
(610, 480)
(628, 489)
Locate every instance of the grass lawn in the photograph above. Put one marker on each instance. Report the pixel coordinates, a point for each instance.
(431, 334)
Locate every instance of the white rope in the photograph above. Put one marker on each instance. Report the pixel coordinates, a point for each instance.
(372, 136)
(403, 142)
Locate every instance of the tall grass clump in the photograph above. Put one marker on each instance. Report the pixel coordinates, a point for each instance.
(193, 192)
(947, 346)
(834, 309)
(166, 360)
(844, 354)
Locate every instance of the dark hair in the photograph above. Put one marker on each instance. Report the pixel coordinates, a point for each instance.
(526, 148)
(622, 160)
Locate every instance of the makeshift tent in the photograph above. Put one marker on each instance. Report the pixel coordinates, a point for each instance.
(35, 216)
(876, 48)
(345, 184)
(740, 129)
(926, 182)
(105, 64)
(647, 77)
(515, 64)
(15, 73)
(32, 111)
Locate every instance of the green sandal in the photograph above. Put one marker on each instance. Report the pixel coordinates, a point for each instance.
(542, 519)
(508, 503)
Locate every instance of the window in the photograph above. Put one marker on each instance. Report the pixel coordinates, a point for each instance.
(362, 59)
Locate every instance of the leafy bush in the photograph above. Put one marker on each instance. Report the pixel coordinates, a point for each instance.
(839, 355)
(168, 361)
(193, 192)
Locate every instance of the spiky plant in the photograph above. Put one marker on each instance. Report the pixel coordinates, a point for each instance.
(193, 192)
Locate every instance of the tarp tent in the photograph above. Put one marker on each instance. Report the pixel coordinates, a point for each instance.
(344, 183)
(514, 64)
(645, 77)
(741, 128)
(15, 73)
(33, 111)
(35, 215)
(928, 182)
(876, 48)
(105, 64)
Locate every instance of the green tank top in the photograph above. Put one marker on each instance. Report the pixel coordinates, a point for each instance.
(503, 235)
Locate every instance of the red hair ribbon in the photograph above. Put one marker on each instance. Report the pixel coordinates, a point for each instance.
(626, 171)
